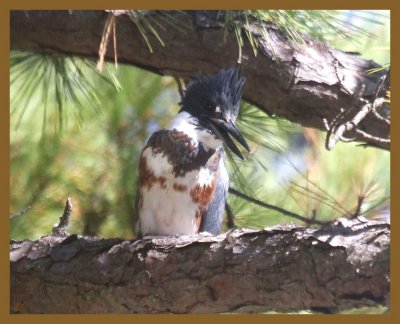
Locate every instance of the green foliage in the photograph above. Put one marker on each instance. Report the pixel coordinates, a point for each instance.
(94, 164)
(324, 25)
(329, 183)
(38, 81)
(376, 44)
(159, 20)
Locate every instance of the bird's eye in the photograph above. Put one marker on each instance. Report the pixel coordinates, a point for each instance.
(210, 107)
(213, 108)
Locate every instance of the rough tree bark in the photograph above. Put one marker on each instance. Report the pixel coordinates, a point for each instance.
(343, 265)
(310, 85)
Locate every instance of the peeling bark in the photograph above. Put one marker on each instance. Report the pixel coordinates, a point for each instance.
(305, 85)
(343, 265)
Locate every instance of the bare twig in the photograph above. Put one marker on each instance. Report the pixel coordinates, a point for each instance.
(21, 212)
(336, 130)
(379, 101)
(276, 208)
(377, 104)
(339, 124)
(62, 228)
(372, 139)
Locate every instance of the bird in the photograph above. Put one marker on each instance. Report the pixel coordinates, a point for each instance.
(182, 179)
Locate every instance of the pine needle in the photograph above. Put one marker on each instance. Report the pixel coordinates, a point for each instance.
(48, 82)
(108, 27)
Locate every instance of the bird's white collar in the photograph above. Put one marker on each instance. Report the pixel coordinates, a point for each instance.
(186, 123)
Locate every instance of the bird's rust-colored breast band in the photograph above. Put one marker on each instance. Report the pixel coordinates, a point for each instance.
(147, 177)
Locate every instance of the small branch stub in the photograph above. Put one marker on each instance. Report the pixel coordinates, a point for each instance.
(62, 228)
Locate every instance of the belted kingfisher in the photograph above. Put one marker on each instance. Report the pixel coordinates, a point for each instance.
(183, 181)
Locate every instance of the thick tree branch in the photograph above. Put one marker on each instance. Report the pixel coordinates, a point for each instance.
(305, 85)
(342, 265)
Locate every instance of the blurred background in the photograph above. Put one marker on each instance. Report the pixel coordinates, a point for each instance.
(77, 133)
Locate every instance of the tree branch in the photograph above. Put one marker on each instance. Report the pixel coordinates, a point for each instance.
(305, 85)
(343, 265)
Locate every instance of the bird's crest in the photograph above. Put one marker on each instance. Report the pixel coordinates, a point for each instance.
(223, 88)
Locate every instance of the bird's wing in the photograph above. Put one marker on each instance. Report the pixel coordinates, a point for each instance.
(213, 216)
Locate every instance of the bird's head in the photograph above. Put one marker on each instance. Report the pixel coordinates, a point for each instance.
(214, 101)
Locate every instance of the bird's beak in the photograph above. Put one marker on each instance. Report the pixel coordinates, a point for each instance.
(223, 129)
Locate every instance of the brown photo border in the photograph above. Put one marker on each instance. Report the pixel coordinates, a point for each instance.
(6, 6)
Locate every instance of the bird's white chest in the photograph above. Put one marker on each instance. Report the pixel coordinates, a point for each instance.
(168, 204)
